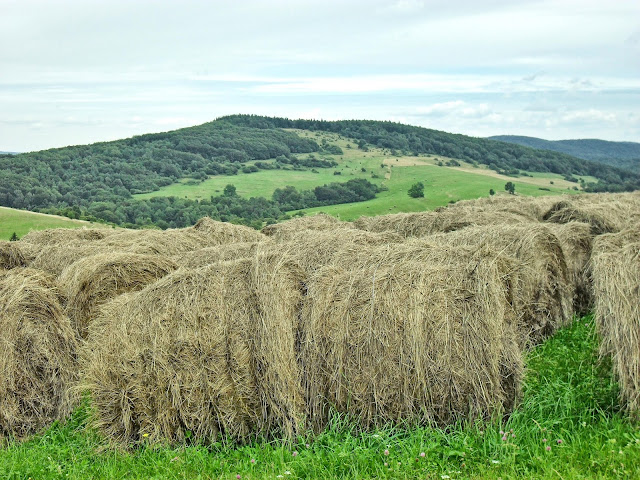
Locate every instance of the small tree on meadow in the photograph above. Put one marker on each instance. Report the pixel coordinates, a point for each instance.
(14, 237)
(510, 187)
(492, 192)
(416, 190)
(229, 191)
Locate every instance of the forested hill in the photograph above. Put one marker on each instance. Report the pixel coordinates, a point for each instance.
(500, 156)
(618, 154)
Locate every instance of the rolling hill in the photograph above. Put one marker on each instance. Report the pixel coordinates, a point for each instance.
(21, 222)
(171, 179)
(618, 154)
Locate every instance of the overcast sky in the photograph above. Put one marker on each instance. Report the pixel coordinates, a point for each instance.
(79, 71)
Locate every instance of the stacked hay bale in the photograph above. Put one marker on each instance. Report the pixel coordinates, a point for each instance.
(37, 353)
(93, 280)
(221, 253)
(616, 284)
(208, 351)
(539, 283)
(409, 333)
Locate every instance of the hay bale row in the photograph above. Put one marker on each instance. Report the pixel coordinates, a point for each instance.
(616, 284)
(37, 354)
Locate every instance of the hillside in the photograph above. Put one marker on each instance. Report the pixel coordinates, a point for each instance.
(22, 222)
(618, 154)
(149, 179)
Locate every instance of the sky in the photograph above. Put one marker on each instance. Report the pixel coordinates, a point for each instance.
(81, 71)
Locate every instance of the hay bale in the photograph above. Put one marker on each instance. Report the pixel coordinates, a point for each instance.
(576, 240)
(319, 222)
(412, 333)
(540, 287)
(37, 354)
(54, 259)
(313, 249)
(442, 220)
(221, 233)
(221, 253)
(13, 255)
(602, 217)
(91, 281)
(66, 236)
(616, 285)
(209, 351)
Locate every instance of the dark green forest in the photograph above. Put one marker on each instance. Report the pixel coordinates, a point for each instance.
(618, 154)
(98, 181)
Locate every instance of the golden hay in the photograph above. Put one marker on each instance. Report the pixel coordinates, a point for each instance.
(539, 282)
(221, 253)
(13, 255)
(66, 236)
(93, 280)
(576, 240)
(209, 351)
(319, 222)
(616, 285)
(409, 333)
(37, 353)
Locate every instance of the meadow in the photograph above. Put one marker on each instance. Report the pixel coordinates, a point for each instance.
(21, 222)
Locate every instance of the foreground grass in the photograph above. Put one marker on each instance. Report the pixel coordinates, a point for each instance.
(568, 426)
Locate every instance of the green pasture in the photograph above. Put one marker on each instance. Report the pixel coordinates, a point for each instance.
(22, 221)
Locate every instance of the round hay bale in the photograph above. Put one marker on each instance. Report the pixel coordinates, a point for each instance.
(220, 233)
(91, 281)
(221, 253)
(319, 222)
(412, 333)
(443, 220)
(602, 217)
(616, 285)
(312, 249)
(54, 259)
(37, 354)
(12, 255)
(540, 286)
(576, 240)
(66, 236)
(209, 351)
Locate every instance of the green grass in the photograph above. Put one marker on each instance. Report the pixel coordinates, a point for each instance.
(442, 184)
(569, 396)
(22, 221)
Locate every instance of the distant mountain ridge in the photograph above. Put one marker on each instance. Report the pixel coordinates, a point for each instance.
(618, 154)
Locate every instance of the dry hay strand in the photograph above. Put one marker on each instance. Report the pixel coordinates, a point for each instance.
(616, 285)
(220, 233)
(411, 333)
(442, 220)
(319, 222)
(66, 236)
(314, 249)
(37, 354)
(576, 240)
(531, 207)
(91, 281)
(539, 283)
(221, 253)
(14, 254)
(209, 351)
(55, 259)
(603, 217)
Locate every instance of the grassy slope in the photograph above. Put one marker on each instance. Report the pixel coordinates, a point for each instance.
(569, 396)
(443, 184)
(22, 221)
